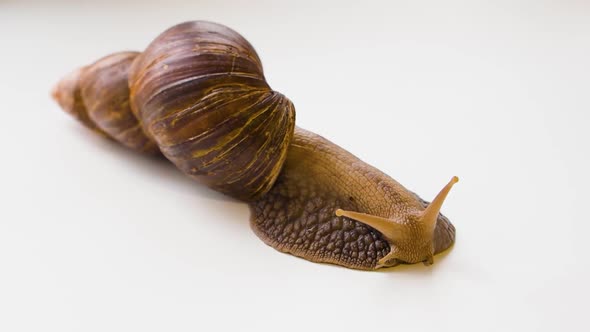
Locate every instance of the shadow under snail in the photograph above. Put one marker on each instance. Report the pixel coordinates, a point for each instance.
(198, 96)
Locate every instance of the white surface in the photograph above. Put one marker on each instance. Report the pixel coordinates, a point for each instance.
(95, 238)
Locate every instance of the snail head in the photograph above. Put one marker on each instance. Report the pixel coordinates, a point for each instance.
(410, 236)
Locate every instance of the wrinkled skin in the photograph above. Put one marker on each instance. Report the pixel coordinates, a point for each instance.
(297, 215)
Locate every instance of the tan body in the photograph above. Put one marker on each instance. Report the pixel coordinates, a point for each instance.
(297, 215)
(197, 95)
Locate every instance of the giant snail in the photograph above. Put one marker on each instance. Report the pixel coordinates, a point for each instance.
(198, 96)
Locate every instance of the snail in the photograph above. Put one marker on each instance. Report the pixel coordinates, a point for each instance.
(198, 96)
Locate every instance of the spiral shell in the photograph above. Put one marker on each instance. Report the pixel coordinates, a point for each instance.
(200, 93)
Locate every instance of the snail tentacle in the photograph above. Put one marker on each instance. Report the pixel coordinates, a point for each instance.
(429, 216)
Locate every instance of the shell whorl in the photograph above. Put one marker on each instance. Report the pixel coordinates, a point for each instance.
(199, 94)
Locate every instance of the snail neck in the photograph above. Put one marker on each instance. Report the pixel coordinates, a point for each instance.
(372, 190)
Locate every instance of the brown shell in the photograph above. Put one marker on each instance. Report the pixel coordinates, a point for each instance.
(200, 93)
(98, 96)
(68, 95)
(105, 92)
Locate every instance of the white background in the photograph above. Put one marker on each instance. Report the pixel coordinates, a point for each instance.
(94, 237)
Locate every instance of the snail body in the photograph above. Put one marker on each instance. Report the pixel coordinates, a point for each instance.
(303, 214)
(198, 95)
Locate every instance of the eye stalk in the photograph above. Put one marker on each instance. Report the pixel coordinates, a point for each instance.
(404, 236)
(430, 215)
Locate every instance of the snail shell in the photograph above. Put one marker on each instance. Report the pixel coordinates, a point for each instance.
(200, 93)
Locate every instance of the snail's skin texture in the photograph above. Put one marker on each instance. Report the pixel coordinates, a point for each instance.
(198, 95)
(297, 215)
